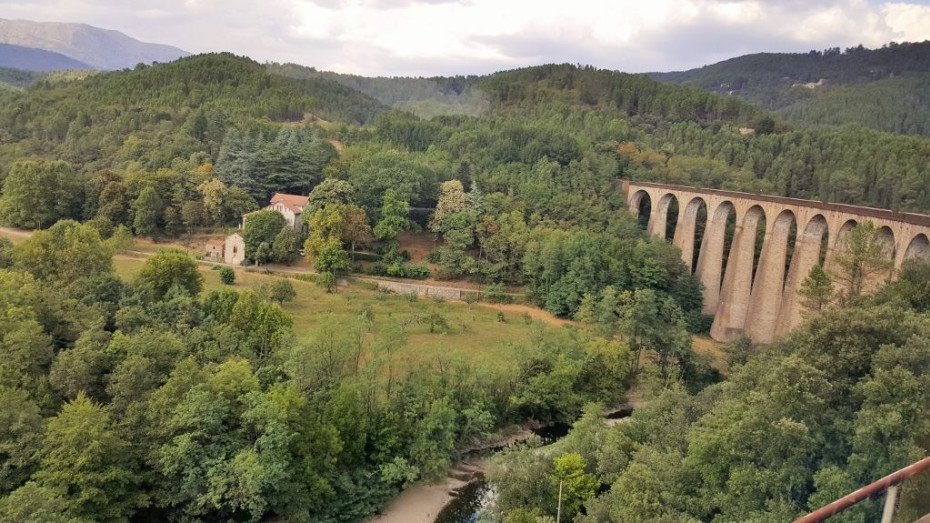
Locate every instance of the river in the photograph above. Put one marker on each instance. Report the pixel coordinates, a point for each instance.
(475, 496)
(464, 494)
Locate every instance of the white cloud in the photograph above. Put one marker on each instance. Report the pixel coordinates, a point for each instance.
(912, 21)
(478, 36)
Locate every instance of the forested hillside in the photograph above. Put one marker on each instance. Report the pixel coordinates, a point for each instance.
(425, 97)
(18, 78)
(677, 135)
(152, 115)
(830, 408)
(210, 405)
(883, 89)
(899, 105)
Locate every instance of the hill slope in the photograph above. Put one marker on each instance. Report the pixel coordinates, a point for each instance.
(99, 48)
(884, 89)
(31, 59)
(425, 97)
(525, 89)
(170, 110)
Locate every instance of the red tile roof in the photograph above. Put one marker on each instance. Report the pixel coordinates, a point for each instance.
(294, 202)
(215, 243)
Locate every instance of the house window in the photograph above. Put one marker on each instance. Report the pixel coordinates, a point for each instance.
(235, 249)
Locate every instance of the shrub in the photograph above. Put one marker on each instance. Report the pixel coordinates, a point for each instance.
(311, 278)
(227, 276)
(282, 290)
(495, 293)
(401, 270)
(367, 256)
(368, 285)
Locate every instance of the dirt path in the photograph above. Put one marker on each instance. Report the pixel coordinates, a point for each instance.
(535, 313)
(15, 233)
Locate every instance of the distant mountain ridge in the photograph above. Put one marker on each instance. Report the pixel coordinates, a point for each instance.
(98, 48)
(32, 59)
(887, 89)
(752, 75)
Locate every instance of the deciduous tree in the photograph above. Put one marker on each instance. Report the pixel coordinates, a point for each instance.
(65, 253)
(168, 268)
(863, 255)
(394, 217)
(97, 476)
(147, 210)
(36, 194)
(261, 227)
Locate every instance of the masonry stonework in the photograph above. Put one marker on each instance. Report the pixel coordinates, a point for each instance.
(753, 297)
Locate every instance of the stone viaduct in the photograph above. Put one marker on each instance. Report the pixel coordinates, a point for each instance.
(756, 295)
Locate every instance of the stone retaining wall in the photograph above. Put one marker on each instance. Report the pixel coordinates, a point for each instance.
(420, 289)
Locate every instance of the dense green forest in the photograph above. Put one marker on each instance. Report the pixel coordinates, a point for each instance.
(153, 115)
(191, 405)
(896, 105)
(17, 78)
(883, 89)
(836, 405)
(209, 406)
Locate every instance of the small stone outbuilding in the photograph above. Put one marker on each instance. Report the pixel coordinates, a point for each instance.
(234, 249)
(214, 250)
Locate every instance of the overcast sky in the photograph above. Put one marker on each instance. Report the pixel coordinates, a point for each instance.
(443, 37)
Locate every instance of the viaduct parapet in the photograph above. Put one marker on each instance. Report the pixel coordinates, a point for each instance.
(757, 295)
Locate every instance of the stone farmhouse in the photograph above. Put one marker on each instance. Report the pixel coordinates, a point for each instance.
(291, 206)
(232, 249)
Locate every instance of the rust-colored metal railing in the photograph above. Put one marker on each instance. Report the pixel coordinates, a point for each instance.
(889, 484)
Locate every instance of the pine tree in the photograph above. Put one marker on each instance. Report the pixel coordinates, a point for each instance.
(816, 290)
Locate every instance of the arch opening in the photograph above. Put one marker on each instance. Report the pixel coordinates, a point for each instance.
(824, 243)
(758, 214)
(671, 217)
(641, 206)
(844, 230)
(791, 242)
(886, 235)
(664, 217)
(697, 210)
(726, 211)
(918, 249)
(809, 249)
(716, 236)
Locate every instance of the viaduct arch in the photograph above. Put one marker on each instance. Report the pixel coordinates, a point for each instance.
(757, 296)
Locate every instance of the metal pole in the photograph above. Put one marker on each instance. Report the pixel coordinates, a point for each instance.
(558, 513)
(865, 492)
(891, 499)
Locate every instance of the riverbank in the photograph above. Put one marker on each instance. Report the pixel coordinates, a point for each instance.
(422, 503)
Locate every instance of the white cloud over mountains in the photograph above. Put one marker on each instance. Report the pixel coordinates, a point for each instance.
(430, 37)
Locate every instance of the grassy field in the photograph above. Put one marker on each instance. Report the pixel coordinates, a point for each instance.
(474, 333)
